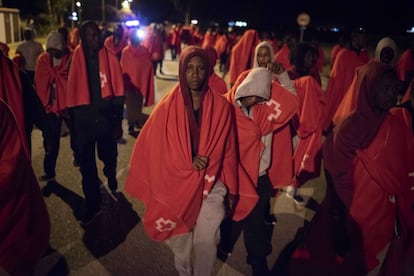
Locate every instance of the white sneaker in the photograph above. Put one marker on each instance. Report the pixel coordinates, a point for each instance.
(291, 193)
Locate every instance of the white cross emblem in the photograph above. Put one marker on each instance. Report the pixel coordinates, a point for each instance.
(305, 158)
(276, 108)
(104, 80)
(164, 225)
(210, 179)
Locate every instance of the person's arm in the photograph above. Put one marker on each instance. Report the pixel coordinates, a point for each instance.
(282, 75)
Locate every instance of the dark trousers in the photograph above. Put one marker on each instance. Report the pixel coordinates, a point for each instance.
(173, 53)
(51, 141)
(257, 237)
(106, 146)
(155, 65)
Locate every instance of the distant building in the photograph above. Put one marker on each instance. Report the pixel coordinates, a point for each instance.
(9, 25)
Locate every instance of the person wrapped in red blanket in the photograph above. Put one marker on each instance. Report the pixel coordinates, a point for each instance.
(24, 220)
(184, 163)
(262, 107)
(369, 164)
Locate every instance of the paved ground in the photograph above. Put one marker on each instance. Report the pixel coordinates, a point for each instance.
(116, 243)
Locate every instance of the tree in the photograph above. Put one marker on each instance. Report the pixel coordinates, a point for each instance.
(184, 6)
(58, 9)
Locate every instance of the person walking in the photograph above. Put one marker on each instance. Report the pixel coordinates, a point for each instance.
(24, 219)
(385, 52)
(117, 41)
(306, 124)
(262, 107)
(364, 225)
(30, 49)
(95, 98)
(342, 73)
(190, 136)
(51, 78)
(138, 73)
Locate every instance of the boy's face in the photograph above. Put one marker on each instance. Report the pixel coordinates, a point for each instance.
(263, 56)
(250, 101)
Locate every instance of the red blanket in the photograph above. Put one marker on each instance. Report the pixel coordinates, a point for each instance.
(116, 50)
(78, 86)
(405, 65)
(25, 229)
(161, 172)
(268, 117)
(11, 92)
(45, 75)
(242, 54)
(282, 56)
(136, 64)
(307, 157)
(378, 175)
(217, 84)
(340, 78)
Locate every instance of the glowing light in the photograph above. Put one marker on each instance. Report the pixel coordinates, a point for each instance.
(194, 21)
(125, 4)
(242, 24)
(132, 23)
(78, 4)
(141, 34)
(411, 31)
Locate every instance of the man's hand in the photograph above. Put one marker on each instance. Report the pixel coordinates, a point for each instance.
(200, 162)
(276, 67)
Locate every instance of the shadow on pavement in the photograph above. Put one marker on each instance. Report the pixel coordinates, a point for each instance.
(52, 264)
(111, 227)
(283, 262)
(108, 229)
(167, 77)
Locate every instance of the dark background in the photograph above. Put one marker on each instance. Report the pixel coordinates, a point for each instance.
(385, 17)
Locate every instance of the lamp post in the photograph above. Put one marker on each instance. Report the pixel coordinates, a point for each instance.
(73, 8)
(103, 10)
(79, 6)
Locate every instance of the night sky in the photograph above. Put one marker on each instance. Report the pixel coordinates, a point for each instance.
(379, 16)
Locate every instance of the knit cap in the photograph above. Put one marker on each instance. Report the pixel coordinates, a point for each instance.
(55, 41)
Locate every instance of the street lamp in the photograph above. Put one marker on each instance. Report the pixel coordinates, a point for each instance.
(73, 8)
(79, 5)
(103, 10)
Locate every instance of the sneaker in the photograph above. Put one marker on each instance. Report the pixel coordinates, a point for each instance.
(297, 198)
(222, 254)
(48, 189)
(122, 141)
(112, 184)
(46, 178)
(133, 133)
(270, 219)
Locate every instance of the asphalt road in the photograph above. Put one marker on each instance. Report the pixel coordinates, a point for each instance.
(115, 243)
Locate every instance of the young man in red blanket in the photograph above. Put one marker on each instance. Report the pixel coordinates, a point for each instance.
(262, 108)
(95, 98)
(183, 166)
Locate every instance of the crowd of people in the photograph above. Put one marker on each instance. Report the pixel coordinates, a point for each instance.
(247, 121)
